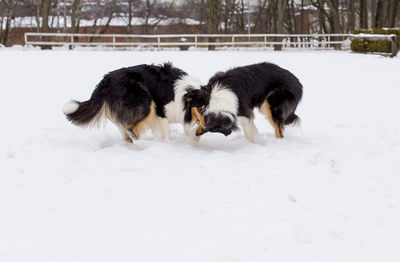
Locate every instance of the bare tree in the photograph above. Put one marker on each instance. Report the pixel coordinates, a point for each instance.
(75, 18)
(259, 22)
(130, 14)
(363, 14)
(373, 12)
(96, 18)
(280, 6)
(209, 13)
(110, 17)
(392, 12)
(148, 11)
(153, 12)
(9, 4)
(65, 16)
(334, 15)
(45, 11)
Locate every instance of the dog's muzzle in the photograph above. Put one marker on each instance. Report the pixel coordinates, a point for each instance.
(201, 131)
(226, 132)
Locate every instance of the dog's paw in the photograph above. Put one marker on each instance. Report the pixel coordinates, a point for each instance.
(132, 135)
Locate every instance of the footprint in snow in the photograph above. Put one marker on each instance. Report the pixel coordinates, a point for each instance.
(292, 198)
(10, 153)
(333, 164)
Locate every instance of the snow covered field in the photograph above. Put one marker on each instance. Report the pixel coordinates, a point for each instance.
(328, 191)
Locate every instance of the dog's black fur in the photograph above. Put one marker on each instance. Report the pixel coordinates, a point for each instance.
(253, 85)
(129, 93)
(220, 123)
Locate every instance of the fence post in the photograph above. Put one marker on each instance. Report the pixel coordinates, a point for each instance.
(113, 41)
(394, 45)
(159, 40)
(329, 41)
(72, 42)
(233, 41)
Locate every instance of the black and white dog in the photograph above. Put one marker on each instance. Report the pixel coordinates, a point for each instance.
(141, 97)
(235, 93)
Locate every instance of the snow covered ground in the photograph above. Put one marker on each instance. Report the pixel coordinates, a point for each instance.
(328, 191)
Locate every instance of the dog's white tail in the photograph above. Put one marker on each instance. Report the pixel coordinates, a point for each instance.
(70, 107)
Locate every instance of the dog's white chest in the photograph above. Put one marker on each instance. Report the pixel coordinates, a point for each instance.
(174, 111)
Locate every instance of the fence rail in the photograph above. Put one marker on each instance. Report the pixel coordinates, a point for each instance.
(184, 41)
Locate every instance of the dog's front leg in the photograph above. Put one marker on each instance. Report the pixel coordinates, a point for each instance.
(249, 128)
(190, 131)
(165, 131)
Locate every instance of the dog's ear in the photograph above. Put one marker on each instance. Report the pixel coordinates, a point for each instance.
(190, 94)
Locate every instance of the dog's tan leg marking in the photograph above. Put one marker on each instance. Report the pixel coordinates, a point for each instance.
(134, 129)
(150, 121)
(281, 129)
(266, 110)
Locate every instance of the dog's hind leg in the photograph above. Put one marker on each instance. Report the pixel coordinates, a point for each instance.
(125, 134)
(133, 133)
(249, 128)
(151, 120)
(121, 127)
(265, 109)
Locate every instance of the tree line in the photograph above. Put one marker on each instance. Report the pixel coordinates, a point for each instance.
(211, 16)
